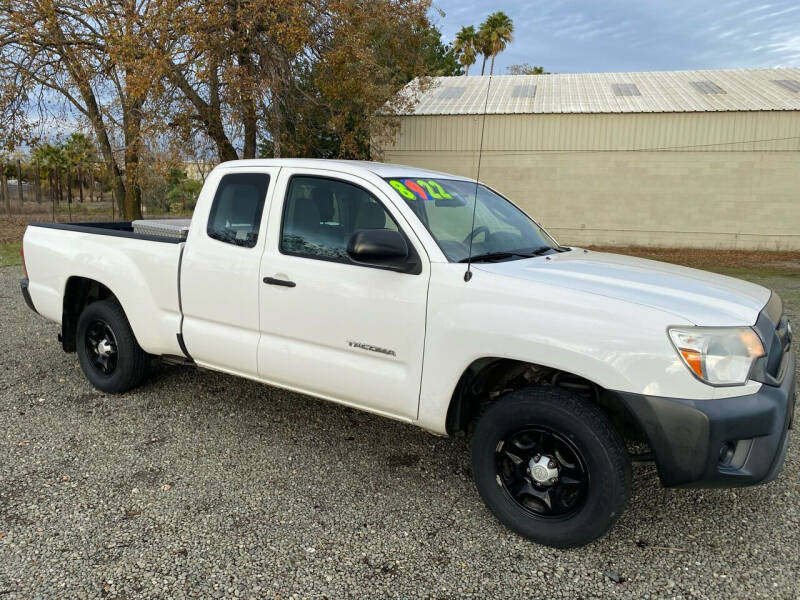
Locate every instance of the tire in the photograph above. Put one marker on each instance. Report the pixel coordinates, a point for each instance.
(551, 439)
(126, 363)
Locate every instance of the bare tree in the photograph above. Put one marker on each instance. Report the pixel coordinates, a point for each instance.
(91, 57)
(4, 188)
(20, 194)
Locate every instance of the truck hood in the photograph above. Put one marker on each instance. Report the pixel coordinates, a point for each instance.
(698, 296)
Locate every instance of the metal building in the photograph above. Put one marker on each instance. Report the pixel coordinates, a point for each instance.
(681, 158)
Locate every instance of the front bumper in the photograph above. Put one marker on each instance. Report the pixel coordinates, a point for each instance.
(728, 442)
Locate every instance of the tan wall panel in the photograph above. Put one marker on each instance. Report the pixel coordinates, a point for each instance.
(723, 131)
(698, 199)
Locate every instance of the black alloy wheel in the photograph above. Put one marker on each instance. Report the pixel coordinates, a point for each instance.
(108, 352)
(542, 471)
(550, 466)
(101, 346)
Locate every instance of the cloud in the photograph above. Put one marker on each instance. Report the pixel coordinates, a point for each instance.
(618, 35)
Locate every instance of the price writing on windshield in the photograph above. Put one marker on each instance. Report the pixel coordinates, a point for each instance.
(420, 188)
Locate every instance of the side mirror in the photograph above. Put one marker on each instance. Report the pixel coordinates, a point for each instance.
(380, 248)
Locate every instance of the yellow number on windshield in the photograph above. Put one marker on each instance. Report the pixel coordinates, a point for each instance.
(403, 190)
(428, 188)
(439, 189)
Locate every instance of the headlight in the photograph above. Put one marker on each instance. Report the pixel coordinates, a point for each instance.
(718, 355)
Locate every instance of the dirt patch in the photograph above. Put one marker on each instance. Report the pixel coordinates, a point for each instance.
(713, 259)
(147, 477)
(13, 227)
(87, 397)
(403, 460)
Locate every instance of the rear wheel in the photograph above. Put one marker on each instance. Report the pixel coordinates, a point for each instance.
(108, 352)
(551, 466)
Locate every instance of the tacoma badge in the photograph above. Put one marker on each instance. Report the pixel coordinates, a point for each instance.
(371, 348)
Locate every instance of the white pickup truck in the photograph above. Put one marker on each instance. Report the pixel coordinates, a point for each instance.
(393, 290)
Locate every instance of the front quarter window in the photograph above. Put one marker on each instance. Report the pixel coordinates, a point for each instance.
(445, 207)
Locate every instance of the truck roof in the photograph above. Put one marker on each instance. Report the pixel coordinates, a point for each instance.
(354, 167)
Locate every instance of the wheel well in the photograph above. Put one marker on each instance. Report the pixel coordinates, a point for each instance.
(79, 293)
(486, 379)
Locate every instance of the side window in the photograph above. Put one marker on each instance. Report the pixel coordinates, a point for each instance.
(320, 215)
(236, 211)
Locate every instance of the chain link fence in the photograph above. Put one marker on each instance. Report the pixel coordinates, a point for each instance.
(83, 192)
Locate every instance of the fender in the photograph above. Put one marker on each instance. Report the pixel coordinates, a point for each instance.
(617, 345)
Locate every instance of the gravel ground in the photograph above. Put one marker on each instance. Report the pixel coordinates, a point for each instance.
(201, 485)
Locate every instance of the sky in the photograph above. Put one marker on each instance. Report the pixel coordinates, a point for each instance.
(573, 36)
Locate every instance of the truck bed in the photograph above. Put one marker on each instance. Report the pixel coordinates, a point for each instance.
(113, 228)
(140, 270)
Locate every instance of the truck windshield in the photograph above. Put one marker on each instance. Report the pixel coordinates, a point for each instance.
(501, 231)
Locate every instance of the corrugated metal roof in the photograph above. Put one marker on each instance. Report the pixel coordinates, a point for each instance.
(659, 91)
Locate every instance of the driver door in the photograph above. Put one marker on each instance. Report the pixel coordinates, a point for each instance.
(330, 327)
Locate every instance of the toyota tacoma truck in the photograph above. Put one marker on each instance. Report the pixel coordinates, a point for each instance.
(432, 299)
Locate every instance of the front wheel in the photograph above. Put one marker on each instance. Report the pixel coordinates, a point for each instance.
(108, 352)
(551, 466)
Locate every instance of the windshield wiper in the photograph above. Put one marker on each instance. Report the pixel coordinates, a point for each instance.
(490, 256)
(539, 250)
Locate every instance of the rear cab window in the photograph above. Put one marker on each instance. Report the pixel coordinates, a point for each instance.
(235, 215)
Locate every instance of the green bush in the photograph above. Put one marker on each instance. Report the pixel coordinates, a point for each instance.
(182, 191)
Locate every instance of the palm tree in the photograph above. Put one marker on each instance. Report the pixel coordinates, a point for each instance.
(495, 34)
(79, 151)
(51, 158)
(483, 45)
(465, 47)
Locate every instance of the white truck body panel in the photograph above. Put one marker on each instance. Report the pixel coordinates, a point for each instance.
(142, 274)
(699, 296)
(600, 316)
(618, 345)
(220, 288)
(307, 331)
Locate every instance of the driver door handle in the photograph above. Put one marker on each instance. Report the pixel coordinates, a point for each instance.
(283, 282)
